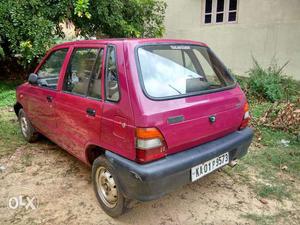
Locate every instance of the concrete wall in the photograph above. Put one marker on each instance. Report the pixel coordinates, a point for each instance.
(265, 29)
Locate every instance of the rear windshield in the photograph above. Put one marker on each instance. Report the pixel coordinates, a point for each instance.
(179, 70)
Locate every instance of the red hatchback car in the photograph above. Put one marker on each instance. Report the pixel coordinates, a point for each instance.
(149, 115)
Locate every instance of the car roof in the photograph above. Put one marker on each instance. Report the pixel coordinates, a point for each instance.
(132, 41)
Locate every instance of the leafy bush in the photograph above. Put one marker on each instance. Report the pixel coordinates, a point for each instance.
(270, 84)
(28, 28)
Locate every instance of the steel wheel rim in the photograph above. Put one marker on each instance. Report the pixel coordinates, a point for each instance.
(24, 125)
(106, 187)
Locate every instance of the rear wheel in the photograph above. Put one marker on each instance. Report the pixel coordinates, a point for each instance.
(106, 187)
(27, 130)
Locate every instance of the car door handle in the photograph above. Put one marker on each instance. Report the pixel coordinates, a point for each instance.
(91, 112)
(49, 98)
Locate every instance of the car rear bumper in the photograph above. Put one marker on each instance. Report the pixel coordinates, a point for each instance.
(152, 180)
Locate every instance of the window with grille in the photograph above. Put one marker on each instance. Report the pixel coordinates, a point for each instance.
(220, 11)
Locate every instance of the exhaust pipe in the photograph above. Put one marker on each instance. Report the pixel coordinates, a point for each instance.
(233, 163)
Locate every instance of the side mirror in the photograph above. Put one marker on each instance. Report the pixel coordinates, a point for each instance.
(33, 78)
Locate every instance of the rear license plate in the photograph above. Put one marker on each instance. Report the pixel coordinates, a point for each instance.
(209, 166)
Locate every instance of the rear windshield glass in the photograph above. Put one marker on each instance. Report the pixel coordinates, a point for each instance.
(180, 70)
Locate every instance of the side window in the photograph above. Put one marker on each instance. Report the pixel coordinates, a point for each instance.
(94, 89)
(188, 63)
(83, 75)
(49, 72)
(207, 67)
(111, 76)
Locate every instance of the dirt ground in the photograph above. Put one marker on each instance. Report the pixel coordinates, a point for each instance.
(63, 191)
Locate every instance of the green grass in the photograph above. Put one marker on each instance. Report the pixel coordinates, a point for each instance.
(10, 135)
(284, 216)
(275, 190)
(273, 161)
(8, 93)
(257, 109)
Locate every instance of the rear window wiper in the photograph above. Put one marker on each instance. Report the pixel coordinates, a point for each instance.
(174, 89)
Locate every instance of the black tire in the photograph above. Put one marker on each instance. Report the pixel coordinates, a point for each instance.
(102, 170)
(27, 130)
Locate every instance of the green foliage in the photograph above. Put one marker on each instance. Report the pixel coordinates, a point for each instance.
(123, 18)
(27, 27)
(30, 27)
(81, 8)
(270, 84)
(1, 52)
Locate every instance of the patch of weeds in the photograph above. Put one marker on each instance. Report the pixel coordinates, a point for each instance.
(27, 159)
(271, 137)
(272, 159)
(238, 173)
(271, 83)
(10, 134)
(275, 191)
(8, 93)
(257, 109)
(260, 219)
(269, 219)
(274, 155)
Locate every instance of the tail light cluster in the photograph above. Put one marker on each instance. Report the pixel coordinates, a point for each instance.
(150, 145)
(246, 118)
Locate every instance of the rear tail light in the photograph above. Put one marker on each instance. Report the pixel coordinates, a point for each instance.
(150, 145)
(246, 118)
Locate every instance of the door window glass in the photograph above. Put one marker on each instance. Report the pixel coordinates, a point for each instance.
(112, 81)
(48, 73)
(83, 75)
(94, 89)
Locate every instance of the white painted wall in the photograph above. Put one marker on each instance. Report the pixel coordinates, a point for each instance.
(265, 29)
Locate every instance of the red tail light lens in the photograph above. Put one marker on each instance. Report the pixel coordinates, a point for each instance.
(150, 145)
(246, 118)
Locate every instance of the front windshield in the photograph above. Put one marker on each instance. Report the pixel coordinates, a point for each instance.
(174, 70)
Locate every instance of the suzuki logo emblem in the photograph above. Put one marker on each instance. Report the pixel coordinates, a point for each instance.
(212, 118)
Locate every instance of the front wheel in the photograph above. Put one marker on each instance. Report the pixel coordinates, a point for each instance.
(106, 187)
(27, 130)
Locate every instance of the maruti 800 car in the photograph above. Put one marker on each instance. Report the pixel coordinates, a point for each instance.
(149, 115)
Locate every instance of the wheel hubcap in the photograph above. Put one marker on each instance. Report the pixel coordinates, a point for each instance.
(24, 125)
(106, 187)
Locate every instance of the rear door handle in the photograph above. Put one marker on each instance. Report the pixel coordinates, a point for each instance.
(49, 98)
(91, 112)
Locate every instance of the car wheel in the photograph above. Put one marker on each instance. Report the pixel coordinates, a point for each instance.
(107, 188)
(27, 130)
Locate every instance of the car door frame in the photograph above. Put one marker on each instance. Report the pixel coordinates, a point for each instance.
(79, 152)
(118, 125)
(41, 93)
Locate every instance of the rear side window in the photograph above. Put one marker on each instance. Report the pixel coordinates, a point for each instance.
(111, 73)
(83, 75)
(169, 71)
(48, 73)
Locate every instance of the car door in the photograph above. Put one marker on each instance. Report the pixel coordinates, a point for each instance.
(79, 105)
(41, 97)
(118, 131)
